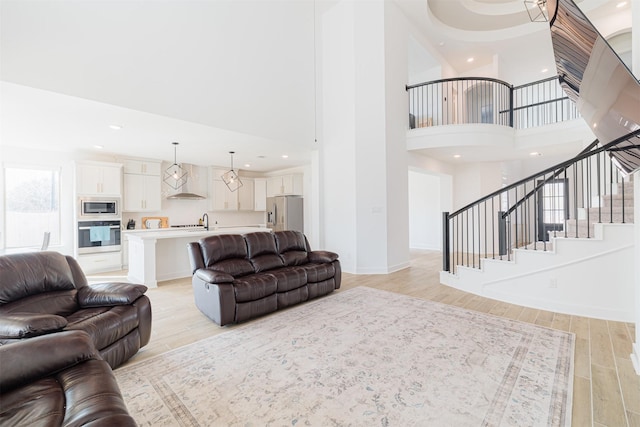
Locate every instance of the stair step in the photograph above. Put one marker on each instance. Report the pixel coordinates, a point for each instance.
(610, 214)
(616, 200)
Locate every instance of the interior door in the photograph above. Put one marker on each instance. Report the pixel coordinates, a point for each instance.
(553, 207)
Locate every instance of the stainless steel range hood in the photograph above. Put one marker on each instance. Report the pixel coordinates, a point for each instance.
(186, 196)
(184, 193)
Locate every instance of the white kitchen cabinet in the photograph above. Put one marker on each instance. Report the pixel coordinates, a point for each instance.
(100, 262)
(222, 198)
(260, 194)
(99, 179)
(284, 185)
(142, 167)
(142, 193)
(245, 195)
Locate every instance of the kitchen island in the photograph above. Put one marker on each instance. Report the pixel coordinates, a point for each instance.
(157, 255)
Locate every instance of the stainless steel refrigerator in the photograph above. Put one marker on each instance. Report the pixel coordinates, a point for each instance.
(285, 213)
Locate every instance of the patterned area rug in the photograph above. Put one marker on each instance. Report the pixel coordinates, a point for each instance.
(361, 357)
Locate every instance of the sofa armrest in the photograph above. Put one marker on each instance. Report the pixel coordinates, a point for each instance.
(322, 256)
(28, 360)
(212, 276)
(26, 325)
(109, 294)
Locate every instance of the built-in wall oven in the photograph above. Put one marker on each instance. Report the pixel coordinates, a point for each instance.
(99, 236)
(99, 225)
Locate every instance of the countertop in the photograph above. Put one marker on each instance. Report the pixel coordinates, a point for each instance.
(196, 233)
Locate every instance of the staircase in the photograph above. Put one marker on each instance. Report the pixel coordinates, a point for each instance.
(586, 268)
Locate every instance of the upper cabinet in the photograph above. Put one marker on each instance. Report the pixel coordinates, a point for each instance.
(99, 179)
(142, 167)
(284, 185)
(222, 199)
(142, 181)
(246, 201)
(260, 194)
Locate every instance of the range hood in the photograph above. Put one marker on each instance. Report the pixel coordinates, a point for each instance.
(186, 196)
(184, 193)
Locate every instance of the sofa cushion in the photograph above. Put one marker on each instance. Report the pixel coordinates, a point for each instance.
(319, 272)
(262, 251)
(61, 303)
(292, 247)
(26, 325)
(226, 253)
(254, 287)
(27, 274)
(41, 400)
(294, 296)
(289, 278)
(105, 325)
(250, 309)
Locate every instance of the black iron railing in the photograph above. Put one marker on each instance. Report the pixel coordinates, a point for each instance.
(564, 200)
(485, 100)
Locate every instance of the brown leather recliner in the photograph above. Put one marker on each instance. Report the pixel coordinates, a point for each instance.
(47, 292)
(58, 380)
(239, 277)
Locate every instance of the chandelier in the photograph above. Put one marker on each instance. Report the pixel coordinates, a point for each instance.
(537, 10)
(231, 178)
(175, 176)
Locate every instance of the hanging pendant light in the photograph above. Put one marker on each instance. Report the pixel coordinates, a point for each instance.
(175, 176)
(231, 178)
(537, 10)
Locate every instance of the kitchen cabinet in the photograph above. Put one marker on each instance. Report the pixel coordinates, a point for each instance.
(222, 198)
(142, 167)
(260, 194)
(246, 201)
(284, 185)
(100, 262)
(142, 192)
(99, 179)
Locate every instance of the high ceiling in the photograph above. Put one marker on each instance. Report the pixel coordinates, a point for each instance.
(222, 75)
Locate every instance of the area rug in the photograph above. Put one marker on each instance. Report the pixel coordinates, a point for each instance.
(361, 357)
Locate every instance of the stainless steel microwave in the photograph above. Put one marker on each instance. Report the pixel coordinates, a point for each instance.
(99, 207)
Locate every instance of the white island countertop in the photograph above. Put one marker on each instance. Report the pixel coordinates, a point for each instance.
(194, 233)
(161, 254)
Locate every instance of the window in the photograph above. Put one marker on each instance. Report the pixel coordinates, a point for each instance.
(32, 206)
(553, 207)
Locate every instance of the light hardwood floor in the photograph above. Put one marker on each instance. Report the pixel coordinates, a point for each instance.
(606, 388)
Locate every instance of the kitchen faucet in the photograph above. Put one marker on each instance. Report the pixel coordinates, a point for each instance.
(205, 220)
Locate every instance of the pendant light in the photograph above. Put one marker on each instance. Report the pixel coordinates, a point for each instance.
(231, 178)
(537, 10)
(175, 176)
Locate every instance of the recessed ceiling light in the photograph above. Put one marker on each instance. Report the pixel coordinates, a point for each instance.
(544, 70)
(247, 165)
(441, 44)
(115, 127)
(621, 4)
(595, 125)
(470, 59)
(535, 153)
(456, 156)
(98, 147)
(284, 156)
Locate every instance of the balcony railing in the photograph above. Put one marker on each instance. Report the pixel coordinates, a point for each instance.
(492, 101)
(565, 200)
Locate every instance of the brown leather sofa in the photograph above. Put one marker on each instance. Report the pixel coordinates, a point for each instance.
(58, 380)
(47, 292)
(239, 277)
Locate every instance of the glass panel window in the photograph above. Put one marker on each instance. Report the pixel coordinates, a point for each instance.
(32, 206)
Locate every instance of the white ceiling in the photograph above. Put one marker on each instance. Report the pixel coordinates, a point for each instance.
(218, 75)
